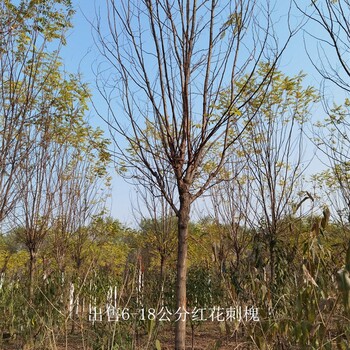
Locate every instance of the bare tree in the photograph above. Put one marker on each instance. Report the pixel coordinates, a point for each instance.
(234, 209)
(273, 147)
(158, 225)
(167, 65)
(333, 183)
(34, 209)
(79, 199)
(331, 18)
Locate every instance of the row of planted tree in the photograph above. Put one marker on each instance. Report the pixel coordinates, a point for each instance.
(202, 112)
(113, 287)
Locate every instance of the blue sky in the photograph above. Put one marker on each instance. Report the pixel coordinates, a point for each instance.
(81, 54)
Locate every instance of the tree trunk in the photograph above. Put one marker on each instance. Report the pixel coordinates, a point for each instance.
(162, 278)
(183, 221)
(32, 263)
(272, 272)
(75, 296)
(272, 252)
(162, 268)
